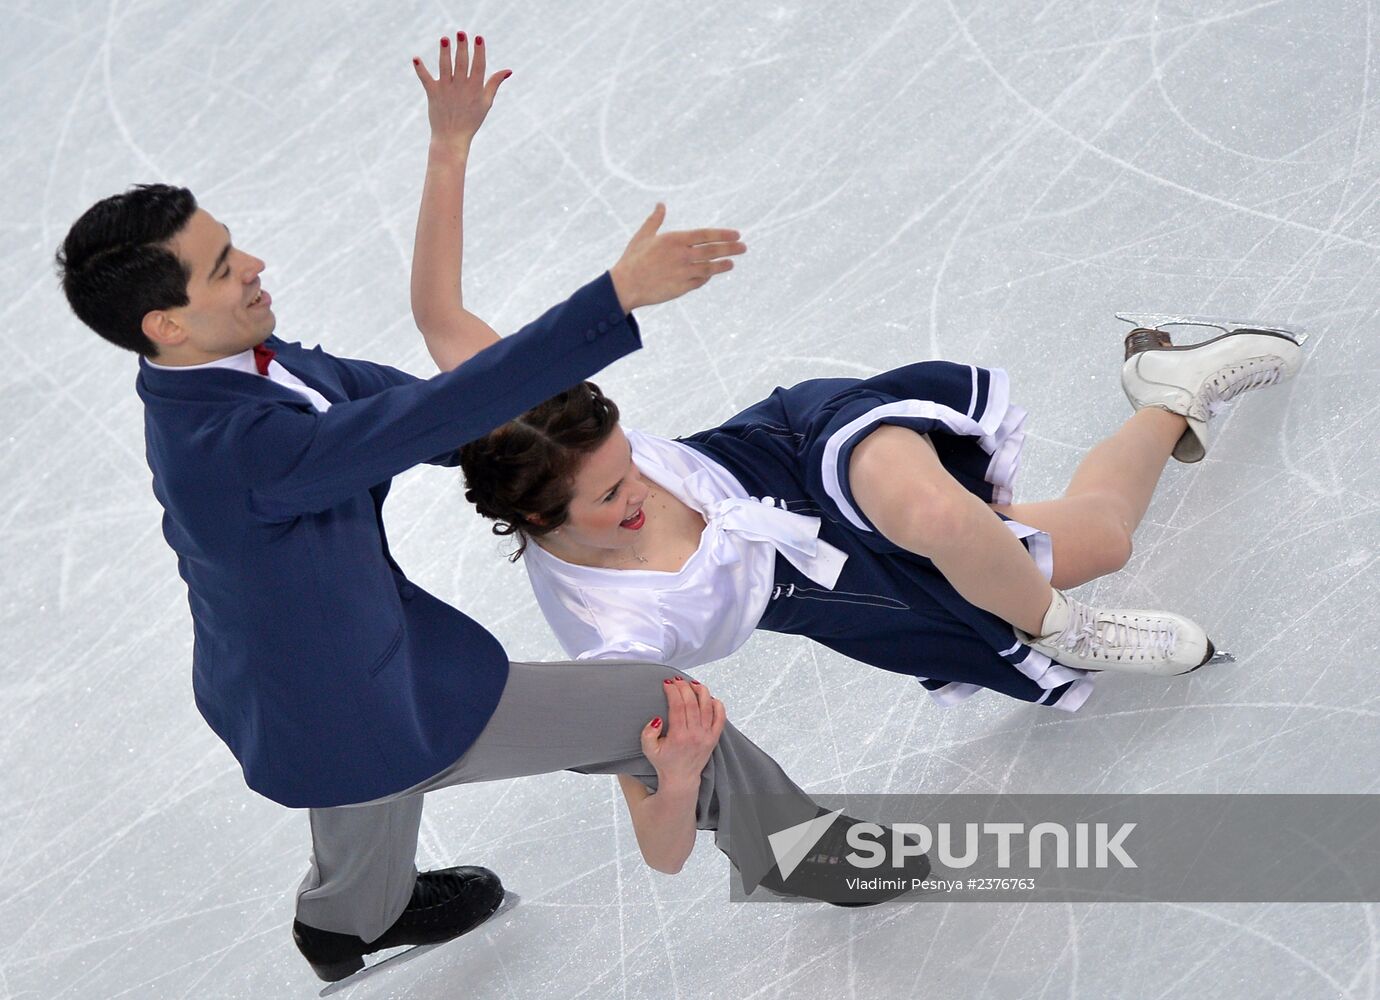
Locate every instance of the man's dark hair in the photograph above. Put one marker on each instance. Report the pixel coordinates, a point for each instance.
(115, 265)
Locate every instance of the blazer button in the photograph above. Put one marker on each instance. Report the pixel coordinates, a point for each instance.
(407, 591)
(603, 326)
(590, 336)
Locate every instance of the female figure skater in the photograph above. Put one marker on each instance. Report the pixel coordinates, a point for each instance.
(673, 751)
(871, 515)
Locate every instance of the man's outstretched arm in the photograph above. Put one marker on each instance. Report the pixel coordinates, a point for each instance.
(296, 461)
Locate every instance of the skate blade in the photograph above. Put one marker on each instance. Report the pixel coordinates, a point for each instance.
(1155, 321)
(1218, 656)
(510, 900)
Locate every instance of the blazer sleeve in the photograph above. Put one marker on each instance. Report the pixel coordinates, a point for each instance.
(367, 378)
(361, 379)
(299, 462)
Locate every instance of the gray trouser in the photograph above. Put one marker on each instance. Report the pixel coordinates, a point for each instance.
(579, 716)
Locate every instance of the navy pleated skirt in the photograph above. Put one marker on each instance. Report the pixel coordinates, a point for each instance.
(891, 608)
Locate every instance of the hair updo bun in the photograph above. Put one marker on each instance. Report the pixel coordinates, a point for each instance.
(526, 468)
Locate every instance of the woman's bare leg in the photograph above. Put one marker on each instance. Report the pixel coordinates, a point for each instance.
(897, 480)
(907, 494)
(1092, 523)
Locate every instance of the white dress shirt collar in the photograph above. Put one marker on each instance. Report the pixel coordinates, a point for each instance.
(244, 362)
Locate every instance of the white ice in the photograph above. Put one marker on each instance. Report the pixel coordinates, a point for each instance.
(984, 182)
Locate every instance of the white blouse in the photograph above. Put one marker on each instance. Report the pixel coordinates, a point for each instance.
(707, 609)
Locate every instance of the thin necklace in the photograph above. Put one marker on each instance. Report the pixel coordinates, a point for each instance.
(638, 555)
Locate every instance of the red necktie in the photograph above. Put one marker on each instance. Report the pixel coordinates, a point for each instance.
(262, 356)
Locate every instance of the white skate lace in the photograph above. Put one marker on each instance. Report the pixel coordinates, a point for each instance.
(1115, 637)
(1229, 382)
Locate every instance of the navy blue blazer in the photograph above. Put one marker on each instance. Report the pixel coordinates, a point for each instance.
(332, 678)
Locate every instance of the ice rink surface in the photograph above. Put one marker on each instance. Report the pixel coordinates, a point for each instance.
(983, 182)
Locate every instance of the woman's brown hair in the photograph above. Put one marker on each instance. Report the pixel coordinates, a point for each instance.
(526, 468)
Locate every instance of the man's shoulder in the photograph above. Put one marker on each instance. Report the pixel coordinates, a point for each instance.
(295, 349)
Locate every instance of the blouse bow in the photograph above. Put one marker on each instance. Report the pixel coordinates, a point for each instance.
(795, 536)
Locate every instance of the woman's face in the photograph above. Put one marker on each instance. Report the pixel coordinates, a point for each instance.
(606, 510)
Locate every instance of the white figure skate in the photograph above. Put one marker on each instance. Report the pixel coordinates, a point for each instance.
(1139, 642)
(1198, 380)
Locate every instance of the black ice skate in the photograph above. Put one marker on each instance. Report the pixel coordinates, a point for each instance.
(445, 904)
(1197, 381)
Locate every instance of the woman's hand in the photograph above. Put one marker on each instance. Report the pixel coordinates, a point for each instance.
(680, 746)
(459, 98)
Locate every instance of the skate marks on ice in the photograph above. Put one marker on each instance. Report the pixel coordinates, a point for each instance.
(1231, 176)
(510, 901)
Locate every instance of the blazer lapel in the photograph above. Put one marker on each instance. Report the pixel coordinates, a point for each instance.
(311, 366)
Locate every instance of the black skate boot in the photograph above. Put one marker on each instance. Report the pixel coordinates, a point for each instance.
(826, 874)
(445, 904)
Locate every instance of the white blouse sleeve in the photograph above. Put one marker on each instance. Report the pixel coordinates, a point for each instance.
(597, 624)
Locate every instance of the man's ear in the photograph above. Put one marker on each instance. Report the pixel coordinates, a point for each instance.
(160, 327)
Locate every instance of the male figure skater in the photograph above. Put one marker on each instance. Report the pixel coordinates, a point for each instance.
(339, 685)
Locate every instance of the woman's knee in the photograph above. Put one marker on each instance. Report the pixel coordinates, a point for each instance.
(1114, 544)
(897, 481)
(942, 520)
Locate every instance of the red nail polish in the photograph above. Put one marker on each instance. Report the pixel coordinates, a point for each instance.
(669, 680)
(460, 38)
(478, 39)
(696, 683)
(507, 74)
(656, 723)
(445, 42)
(416, 61)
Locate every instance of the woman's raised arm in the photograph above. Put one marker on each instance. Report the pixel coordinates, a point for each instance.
(458, 99)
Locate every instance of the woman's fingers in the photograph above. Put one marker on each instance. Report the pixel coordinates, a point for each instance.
(676, 717)
(690, 701)
(462, 56)
(491, 89)
(704, 704)
(651, 737)
(445, 70)
(423, 75)
(479, 63)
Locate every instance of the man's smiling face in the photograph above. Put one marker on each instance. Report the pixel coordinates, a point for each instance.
(227, 311)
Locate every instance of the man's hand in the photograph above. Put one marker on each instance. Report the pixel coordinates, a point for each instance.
(459, 98)
(657, 267)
